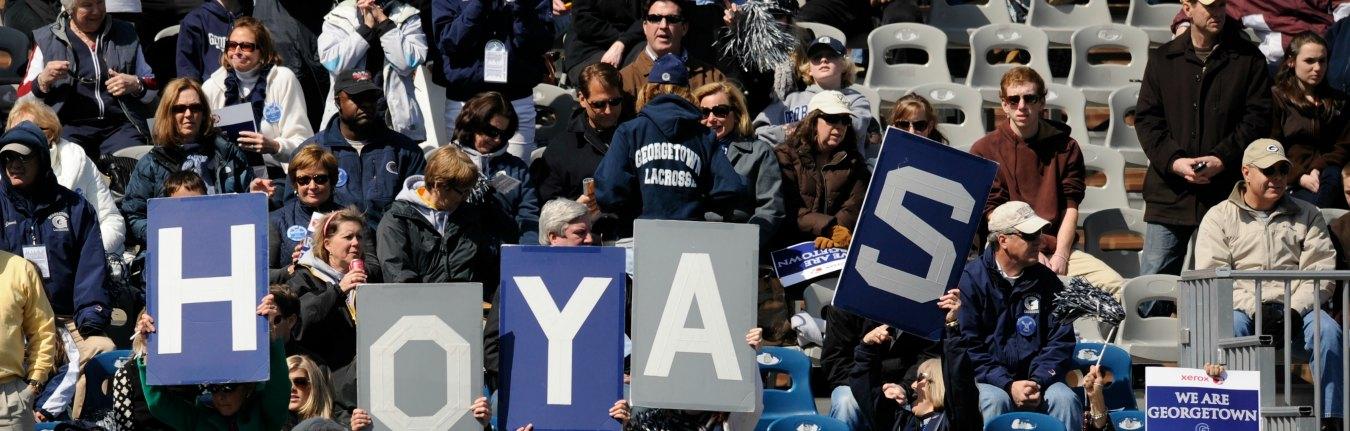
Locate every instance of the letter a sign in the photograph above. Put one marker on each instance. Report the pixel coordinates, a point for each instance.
(206, 273)
(562, 328)
(693, 302)
(921, 211)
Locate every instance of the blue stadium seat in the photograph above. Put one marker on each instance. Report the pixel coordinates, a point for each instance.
(99, 370)
(1118, 393)
(1024, 421)
(796, 399)
(808, 423)
(1128, 420)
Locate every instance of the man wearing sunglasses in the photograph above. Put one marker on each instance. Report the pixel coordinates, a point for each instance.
(1205, 95)
(373, 160)
(1019, 352)
(665, 26)
(1260, 228)
(1040, 164)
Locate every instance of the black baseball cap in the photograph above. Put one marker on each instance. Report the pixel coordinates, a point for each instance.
(355, 82)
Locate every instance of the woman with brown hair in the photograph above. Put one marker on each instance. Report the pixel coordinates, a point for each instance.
(313, 173)
(485, 124)
(914, 114)
(824, 176)
(251, 72)
(1310, 119)
(185, 138)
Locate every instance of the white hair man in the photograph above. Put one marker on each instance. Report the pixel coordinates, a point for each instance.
(564, 222)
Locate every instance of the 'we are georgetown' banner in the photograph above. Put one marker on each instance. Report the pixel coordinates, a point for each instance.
(1188, 399)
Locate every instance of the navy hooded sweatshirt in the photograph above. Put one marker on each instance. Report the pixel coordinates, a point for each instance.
(49, 218)
(665, 165)
(371, 179)
(201, 40)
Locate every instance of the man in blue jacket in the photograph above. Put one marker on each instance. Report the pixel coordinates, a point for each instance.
(665, 164)
(1019, 352)
(57, 230)
(373, 160)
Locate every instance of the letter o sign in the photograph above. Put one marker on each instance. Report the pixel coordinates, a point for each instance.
(457, 356)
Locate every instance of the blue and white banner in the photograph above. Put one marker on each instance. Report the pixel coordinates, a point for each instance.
(803, 261)
(1188, 399)
(562, 327)
(206, 273)
(922, 209)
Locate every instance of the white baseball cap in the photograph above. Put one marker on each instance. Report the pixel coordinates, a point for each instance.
(1016, 215)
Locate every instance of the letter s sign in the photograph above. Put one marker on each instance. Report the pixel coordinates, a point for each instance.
(929, 286)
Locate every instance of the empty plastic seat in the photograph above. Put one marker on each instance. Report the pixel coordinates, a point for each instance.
(898, 78)
(1110, 195)
(985, 77)
(960, 20)
(1153, 19)
(1114, 221)
(561, 104)
(959, 97)
(1115, 363)
(796, 399)
(1060, 21)
(1122, 136)
(1024, 421)
(808, 423)
(1074, 105)
(431, 99)
(1097, 81)
(1128, 420)
(1154, 338)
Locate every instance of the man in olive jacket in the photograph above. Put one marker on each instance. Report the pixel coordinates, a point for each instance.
(1205, 95)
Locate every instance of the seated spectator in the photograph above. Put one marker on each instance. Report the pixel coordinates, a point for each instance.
(1098, 418)
(185, 138)
(430, 234)
(664, 164)
(1340, 227)
(202, 35)
(565, 222)
(362, 420)
(723, 109)
(484, 125)
(1311, 118)
(373, 160)
(184, 184)
(1258, 228)
(827, 68)
(1274, 23)
(313, 171)
(100, 99)
(1019, 352)
(251, 72)
(385, 39)
(915, 114)
(824, 175)
(852, 402)
(58, 230)
(665, 25)
(234, 406)
(29, 341)
(465, 35)
(326, 280)
(942, 394)
(311, 394)
(1040, 164)
(603, 31)
(74, 170)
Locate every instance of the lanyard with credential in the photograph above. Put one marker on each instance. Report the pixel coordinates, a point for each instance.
(36, 253)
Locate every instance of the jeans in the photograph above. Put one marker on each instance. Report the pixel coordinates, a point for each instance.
(1330, 190)
(845, 408)
(1165, 248)
(1328, 363)
(521, 143)
(1058, 401)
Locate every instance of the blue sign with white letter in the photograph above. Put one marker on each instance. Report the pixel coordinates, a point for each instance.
(206, 273)
(562, 326)
(922, 208)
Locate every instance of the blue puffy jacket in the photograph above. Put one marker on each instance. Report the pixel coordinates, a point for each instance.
(65, 227)
(232, 175)
(1009, 327)
(463, 29)
(665, 165)
(372, 179)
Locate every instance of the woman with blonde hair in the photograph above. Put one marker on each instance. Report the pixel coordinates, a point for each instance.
(826, 68)
(311, 393)
(185, 138)
(723, 109)
(251, 72)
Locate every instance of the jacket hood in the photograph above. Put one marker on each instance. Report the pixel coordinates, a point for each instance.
(482, 160)
(409, 192)
(1049, 130)
(671, 114)
(30, 136)
(216, 9)
(320, 268)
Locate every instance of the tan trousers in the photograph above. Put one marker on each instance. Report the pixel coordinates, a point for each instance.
(1082, 264)
(16, 405)
(88, 349)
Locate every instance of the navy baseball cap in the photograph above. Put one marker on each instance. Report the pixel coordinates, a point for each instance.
(835, 47)
(354, 82)
(669, 69)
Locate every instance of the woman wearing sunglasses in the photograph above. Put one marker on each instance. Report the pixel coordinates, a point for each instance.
(313, 172)
(826, 68)
(723, 109)
(185, 138)
(485, 124)
(913, 114)
(251, 72)
(824, 175)
(311, 393)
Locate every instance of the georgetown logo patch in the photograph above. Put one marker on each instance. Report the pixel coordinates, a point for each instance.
(342, 177)
(272, 113)
(296, 233)
(391, 167)
(60, 222)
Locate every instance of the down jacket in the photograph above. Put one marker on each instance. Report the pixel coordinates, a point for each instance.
(232, 175)
(413, 250)
(345, 46)
(820, 191)
(1293, 237)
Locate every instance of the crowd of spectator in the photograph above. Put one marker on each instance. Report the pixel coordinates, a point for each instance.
(1245, 142)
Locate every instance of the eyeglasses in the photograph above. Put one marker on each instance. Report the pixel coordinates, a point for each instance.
(912, 125)
(612, 103)
(10, 157)
(1279, 170)
(670, 19)
(838, 119)
(194, 107)
(304, 180)
(220, 389)
(243, 46)
(300, 382)
(495, 133)
(1017, 99)
(719, 111)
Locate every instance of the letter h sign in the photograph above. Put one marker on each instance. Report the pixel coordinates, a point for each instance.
(206, 274)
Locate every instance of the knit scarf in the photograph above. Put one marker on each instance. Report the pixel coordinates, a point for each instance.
(255, 97)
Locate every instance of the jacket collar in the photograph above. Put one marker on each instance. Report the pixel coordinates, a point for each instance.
(1285, 205)
(332, 136)
(589, 136)
(1228, 37)
(1024, 282)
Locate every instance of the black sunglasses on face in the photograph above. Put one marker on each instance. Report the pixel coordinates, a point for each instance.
(320, 179)
(838, 119)
(220, 389)
(1017, 99)
(912, 125)
(1030, 237)
(612, 103)
(719, 111)
(495, 133)
(181, 108)
(300, 382)
(670, 19)
(1279, 170)
(242, 46)
(10, 157)
(444, 186)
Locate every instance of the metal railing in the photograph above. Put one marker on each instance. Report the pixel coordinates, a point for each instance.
(1205, 331)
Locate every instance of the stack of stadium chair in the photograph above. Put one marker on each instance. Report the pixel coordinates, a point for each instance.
(986, 77)
(796, 399)
(894, 80)
(1116, 364)
(1060, 21)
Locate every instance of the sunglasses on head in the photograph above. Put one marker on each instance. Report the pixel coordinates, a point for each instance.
(1017, 99)
(838, 119)
(670, 19)
(303, 180)
(912, 125)
(495, 133)
(719, 111)
(193, 107)
(612, 103)
(300, 382)
(242, 46)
